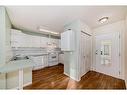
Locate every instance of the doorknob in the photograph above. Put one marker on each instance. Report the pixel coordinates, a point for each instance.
(96, 52)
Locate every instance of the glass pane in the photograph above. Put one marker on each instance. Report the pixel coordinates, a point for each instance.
(106, 49)
(106, 52)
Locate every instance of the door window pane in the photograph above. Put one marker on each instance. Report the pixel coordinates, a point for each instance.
(106, 52)
(106, 49)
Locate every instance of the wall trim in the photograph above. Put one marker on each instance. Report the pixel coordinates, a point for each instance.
(72, 77)
(17, 88)
(109, 75)
(26, 84)
(126, 83)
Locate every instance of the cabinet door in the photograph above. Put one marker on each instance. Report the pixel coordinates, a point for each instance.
(36, 41)
(67, 41)
(55, 42)
(61, 58)
(59, 43)
(17, 39)
(13, 40)
(28, 41)
(85, 53)
(22, 40)
(44, 41)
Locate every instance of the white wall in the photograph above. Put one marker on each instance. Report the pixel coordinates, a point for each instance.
(12, 78)
(114, 27)
(5, 47)
(2, 46)
(85, 28)
(125, 42)
(8, 50)
(9, 80)
(71, 67)
(72, 59)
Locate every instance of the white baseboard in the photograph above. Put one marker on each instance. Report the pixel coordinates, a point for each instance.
(17, 88)
(72, 77)
(118, 77)
(27, 84)
(126, 83)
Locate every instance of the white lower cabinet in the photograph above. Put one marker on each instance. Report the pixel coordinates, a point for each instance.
(40, 62)
(12, 81)
(61, 58)
(50, 59)
(53, 59)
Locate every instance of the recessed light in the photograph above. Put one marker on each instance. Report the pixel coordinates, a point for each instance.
(48, 31)
(104, 19)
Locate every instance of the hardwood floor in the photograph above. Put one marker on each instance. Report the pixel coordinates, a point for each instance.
(53, 78)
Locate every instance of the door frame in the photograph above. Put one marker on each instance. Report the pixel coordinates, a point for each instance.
(121, 63)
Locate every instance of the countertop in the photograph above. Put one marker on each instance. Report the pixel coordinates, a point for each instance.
(16, 65)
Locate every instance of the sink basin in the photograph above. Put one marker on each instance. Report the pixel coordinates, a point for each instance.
(19, 58)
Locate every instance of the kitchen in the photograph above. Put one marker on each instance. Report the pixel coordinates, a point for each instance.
(43, 51)
(70, 50)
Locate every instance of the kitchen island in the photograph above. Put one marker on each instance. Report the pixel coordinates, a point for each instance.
(17, 65)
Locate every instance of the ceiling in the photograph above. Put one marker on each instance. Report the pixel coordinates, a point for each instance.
(55, 17)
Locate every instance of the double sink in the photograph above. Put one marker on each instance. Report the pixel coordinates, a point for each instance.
(19, 58)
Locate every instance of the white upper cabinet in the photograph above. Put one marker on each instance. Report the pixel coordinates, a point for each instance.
(44, 41)
(36, 41)
(59, 43)
(67, 41)
(28, 41)
(55, 42)
(19, 39)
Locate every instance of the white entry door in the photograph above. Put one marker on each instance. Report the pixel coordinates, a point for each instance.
(107, 54)
(85, 51)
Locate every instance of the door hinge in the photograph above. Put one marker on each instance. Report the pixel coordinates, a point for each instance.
(119, 54)
(119, 36)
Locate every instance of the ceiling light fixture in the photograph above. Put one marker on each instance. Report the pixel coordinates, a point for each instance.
(48, 31)
(104, 19)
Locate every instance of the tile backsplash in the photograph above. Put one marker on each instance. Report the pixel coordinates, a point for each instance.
(32, 50)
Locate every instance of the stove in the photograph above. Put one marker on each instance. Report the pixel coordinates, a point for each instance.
(52, 58)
